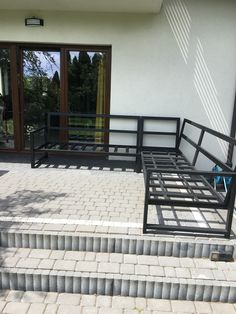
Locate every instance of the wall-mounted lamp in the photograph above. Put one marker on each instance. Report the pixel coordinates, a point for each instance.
(33, 21)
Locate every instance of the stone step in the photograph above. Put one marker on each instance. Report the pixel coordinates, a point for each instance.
(112, 243)
(29, 302)
(118, 274)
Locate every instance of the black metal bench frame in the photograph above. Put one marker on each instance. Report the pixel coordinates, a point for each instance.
(84, 147)
(166, 171)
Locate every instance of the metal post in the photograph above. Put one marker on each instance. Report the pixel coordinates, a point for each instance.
(32, 150)
(139, 143)
(145, 215)
(232, 134)
(230, 207)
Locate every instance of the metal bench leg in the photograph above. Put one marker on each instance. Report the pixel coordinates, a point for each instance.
(138, 164)
(32, 159)
(145, 214)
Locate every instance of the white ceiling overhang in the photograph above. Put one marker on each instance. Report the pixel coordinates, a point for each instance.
(116, 6)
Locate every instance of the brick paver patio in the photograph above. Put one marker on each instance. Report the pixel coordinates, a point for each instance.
(82, 200)
(43, 210)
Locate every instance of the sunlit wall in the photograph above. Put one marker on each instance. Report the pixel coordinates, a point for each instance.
(180, 62)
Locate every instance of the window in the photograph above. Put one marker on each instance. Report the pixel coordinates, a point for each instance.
(50, 78)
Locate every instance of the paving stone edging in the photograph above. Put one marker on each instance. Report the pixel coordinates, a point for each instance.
(123, 285)
(112, 244)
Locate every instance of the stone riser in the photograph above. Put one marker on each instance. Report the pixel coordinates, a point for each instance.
(111, 244)
(163, 289)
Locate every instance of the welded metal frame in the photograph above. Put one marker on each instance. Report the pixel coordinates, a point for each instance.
(165, 170)
(97, 149)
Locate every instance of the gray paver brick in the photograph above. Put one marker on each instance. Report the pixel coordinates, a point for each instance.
(109, 268)
(16, 308)
(127, 269)
(130, 259)
(201, 273)
(57, 254)
(69, 309)
(51, 297)
(86, 266)
(187, 262)
(51, 309)
(34, 296)
(10, 261)
(103, 301)
(23, 252)
(46, 263)
(102, 257)
(203, 307)
(220, 308)
(147, 260)
(4, 294)
(116, 258)
(123, 302)
(28, 263)
(40, 253)
(162, 305)
(64, 265)
(74, 255)
(182, 272)
(141, 270)
(90, 256)
(183, 306)
(140, 303)
(204, 263)
(68, 298)
(88, 300)
(53, 227)
(218, 274)
(89, 310)
(170, 271)
(110, 311)
(157, 271)
(230, 275)
(36, 309)
(14, 296)
(2, 305)
(168, 261)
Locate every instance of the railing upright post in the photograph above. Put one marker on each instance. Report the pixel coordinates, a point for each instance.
(230, 206)
(32, 150)
(147, 174)
(139, 143)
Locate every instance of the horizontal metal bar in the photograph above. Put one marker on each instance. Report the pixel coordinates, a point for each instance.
(185, 203)
(193, 172)
(176, 186)
(159, 133)
(186, 229)
(93, 115)
(38, 130)
(86, 129)
(170, 194)
(213, 132)
(208, 155)
(160, 118)
(83, 150)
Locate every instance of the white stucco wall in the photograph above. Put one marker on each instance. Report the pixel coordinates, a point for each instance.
(181, 62)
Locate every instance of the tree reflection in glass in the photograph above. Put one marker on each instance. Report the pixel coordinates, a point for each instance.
(6, 113)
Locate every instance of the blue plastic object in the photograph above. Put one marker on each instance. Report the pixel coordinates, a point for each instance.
(221, 179)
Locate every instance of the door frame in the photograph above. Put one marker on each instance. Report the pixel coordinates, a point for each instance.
(16, 71)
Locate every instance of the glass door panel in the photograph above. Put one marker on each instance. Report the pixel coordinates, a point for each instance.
(86, 92)
(6, 112)
(41, 88)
